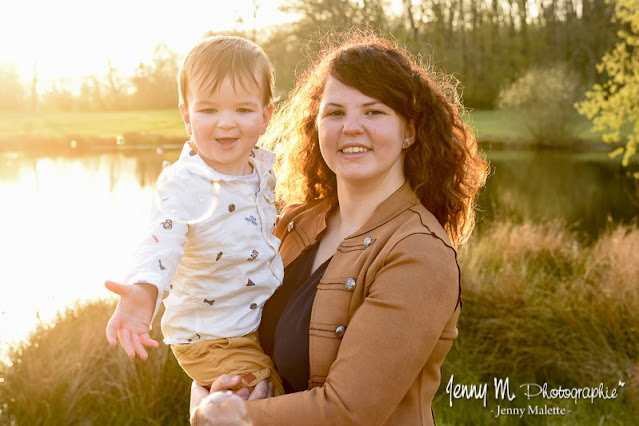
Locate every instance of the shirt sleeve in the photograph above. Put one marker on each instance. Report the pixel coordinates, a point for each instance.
(386, 344)
(162, 247)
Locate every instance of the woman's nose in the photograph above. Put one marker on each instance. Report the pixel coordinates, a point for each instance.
(353, 124)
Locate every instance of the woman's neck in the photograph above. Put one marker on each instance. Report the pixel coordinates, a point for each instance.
(357, 203)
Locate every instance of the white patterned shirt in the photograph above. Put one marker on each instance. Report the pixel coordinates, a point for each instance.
(211, 249)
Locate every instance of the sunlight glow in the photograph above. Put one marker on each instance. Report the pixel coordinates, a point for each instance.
(74, 38)
(73, 224)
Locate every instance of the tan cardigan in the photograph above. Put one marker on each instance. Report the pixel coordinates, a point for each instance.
(383, 319)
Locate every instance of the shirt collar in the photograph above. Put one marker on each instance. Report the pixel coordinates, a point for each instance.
(262, 159)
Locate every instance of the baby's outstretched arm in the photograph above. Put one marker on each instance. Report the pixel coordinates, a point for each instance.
(132, 317)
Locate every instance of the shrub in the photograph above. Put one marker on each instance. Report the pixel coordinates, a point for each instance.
(546, 96)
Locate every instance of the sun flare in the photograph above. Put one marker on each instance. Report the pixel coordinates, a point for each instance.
(66, 40)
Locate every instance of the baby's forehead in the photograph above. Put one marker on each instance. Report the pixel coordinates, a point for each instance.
(206, 83)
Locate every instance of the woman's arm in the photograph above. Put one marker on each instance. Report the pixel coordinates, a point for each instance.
(386, 344)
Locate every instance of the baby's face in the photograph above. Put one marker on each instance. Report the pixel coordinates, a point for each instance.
(226, 124)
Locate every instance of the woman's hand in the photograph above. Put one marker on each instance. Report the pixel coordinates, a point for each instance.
(225, 382)
(263, 389)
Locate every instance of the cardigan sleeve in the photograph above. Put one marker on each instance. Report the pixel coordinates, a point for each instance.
(386, 344)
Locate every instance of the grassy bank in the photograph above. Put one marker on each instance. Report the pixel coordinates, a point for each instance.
(538, 307)
(508, 128)
(108, 124)
(54, 131)
(67, 374)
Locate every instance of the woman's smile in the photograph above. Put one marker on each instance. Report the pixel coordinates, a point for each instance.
(354, 150)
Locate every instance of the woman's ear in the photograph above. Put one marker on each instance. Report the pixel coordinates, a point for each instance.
(184, 110)
(410, 133)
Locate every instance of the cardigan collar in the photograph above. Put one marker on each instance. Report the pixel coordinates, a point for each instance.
(313, 219)
(398, 202)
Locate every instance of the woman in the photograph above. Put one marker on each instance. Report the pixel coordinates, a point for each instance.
(379, 175)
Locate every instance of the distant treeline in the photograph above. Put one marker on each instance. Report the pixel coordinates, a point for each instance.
(486, 44)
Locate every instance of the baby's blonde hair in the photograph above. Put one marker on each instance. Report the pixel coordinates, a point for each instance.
(215, 58)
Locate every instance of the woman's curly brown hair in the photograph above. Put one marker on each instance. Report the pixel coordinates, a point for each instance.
(443, 165)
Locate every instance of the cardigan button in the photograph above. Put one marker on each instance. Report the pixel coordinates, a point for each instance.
(290, 226)
(339, 331)
(253, 305)
(350, 284)
(367, 242)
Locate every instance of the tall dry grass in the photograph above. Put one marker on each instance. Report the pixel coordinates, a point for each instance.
(539, 306)
(67, 374)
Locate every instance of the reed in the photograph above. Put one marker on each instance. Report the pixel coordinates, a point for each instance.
(66, 373)
(540, 305)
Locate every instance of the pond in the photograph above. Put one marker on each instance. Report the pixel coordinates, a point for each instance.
(70, 223)
(588, 192)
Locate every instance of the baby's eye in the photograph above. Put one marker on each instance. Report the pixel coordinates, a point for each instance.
(244, 110)
(209, 110)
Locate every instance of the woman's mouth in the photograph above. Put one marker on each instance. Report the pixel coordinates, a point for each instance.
(354, 149)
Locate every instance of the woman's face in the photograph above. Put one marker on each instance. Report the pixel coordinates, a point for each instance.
(361, 138)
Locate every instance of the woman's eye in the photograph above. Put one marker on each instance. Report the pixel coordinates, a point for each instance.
(334, 113)
(374, 112)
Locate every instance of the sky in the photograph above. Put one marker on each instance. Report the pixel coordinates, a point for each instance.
(74, 38)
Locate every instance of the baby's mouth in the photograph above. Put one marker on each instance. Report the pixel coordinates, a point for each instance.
(226, 141)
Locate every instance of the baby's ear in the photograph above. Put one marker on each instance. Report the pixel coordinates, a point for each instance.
(267, 113)
(184, 110)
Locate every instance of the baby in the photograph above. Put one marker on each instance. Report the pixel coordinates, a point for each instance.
(210, 246)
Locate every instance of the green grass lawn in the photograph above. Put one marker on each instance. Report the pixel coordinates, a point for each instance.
(503, 126)
(166, 122)
(510, 126)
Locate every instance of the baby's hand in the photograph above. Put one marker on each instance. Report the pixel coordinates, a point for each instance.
(132, 317)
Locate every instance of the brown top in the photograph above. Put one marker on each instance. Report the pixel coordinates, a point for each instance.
(383, 319)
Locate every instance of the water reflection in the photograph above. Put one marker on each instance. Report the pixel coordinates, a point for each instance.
(586, 191)
(67, 224)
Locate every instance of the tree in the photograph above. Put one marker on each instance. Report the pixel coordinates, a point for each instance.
(12, 92)
(155, 84)
(613, 106)
(58, 96)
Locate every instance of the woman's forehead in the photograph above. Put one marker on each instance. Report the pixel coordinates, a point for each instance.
(336, 92)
